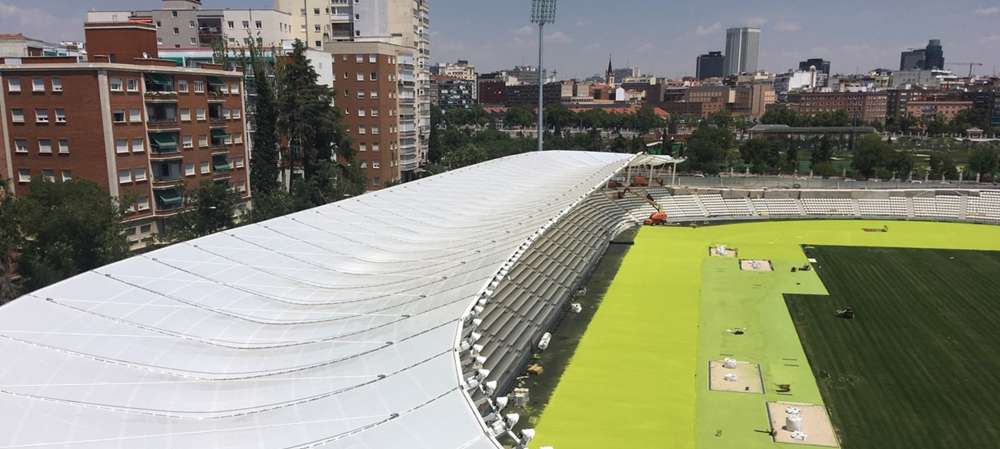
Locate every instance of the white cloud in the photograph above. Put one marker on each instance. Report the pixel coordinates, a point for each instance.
(38, 23)
(756, 22)
(787, 27)
(703, 30)
(526, 30)
(988, 11)
(559, 38)
(991, 38)
(584, 23)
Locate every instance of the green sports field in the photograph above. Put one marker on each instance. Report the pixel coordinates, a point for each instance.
(917, 366)
(639, 375)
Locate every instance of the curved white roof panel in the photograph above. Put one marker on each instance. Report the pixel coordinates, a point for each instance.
(333, 327)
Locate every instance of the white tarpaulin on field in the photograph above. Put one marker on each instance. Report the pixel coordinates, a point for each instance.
(332, 327)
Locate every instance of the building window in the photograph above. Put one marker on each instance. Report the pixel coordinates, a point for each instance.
(361, 94)
(194, 41)
(185, 115)
(361, 113)
(13, 85)
(359, 76)
(374, 94)
(121, 146)
(176, 30)
(145, 229)
(188, 142)
(375, 147)
(315, 11)
(134, 116)
(67, 175)
(238, 162)
(56, 84)
(316, 28)
(182, 86)
(376, 164)
(200, 114)
(38, 85)
(374, 112)
(139, 174)
(258, 24)
(20, 146)
(60, 116)
(142, 203)
(132, 85)
(361, 130)
(189, 169)
(237, 114)
(238, 139)
(205, 168)
(118, 116)
(375, 130)
(364, 164)
(63, 146)
(44, 146)
(226, 114)
(372, 59)
(246, 24)
(41, 115)
(199, 87)
(363, 147)
(202, 141)
(373, 76)
(23, 175)
(48, 175)
(235, 89)
(124, 176)
(116, 84)
(17, 115)
(138, 145)
(230, 24)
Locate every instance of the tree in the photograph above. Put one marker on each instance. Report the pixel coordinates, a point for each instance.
(468, 154)
(434, 143)
(11, 242)
(984, 161)
(305, 116)
(762, 155)
(942, 166)
(646, 119)
(823, 152)
(264, 163)
(558, 117)
(707, 148)
(780, 114)
(518, 117)
(209, 209)
(868, 155)
(68, 228)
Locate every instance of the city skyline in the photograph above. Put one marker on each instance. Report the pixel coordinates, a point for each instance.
(664, 44)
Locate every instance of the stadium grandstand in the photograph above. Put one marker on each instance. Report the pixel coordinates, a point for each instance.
(366, 322)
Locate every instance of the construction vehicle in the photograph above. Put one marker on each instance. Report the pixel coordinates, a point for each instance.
(656, 218)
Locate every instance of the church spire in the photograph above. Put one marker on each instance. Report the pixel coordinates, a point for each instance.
(610, 75)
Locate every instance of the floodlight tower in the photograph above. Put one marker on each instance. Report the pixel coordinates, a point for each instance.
(542, 12)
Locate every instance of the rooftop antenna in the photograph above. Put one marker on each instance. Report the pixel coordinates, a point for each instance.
(542, 12)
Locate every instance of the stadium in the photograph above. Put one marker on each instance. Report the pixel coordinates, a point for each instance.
(414, 317)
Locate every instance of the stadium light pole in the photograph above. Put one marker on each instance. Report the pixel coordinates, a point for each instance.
(542, 12)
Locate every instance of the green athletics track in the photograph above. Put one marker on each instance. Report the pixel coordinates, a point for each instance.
(639, 376)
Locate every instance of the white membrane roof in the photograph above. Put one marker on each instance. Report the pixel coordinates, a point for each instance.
(332, 327)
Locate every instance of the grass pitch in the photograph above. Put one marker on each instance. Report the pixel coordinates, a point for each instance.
(639, 375)
(917, 367)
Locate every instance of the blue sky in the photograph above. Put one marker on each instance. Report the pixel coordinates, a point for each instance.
(661, 37)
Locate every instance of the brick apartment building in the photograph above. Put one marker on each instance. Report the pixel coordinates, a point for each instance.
(139, 126)
(864, 107)
(374, 86)
(947, 109)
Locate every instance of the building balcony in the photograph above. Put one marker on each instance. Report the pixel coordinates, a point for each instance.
(168, 199)
(159, 84)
